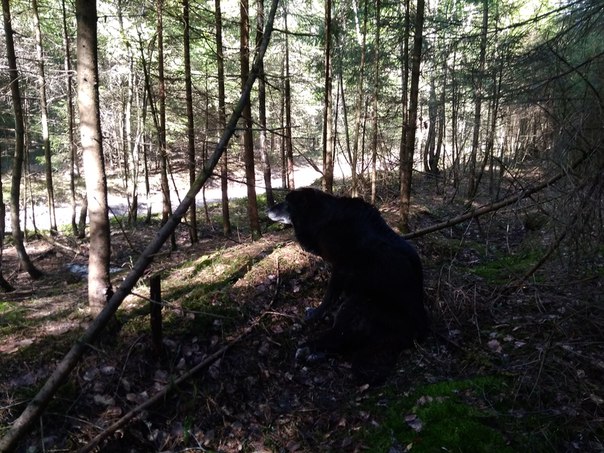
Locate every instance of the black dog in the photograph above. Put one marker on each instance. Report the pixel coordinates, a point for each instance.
(376, 281)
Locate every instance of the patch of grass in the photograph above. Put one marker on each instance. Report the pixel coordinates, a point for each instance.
(12, 317)
(506, 267)
(447, 416)
(203, 294)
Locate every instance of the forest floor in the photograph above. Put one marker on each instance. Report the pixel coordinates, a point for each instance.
(508, 368)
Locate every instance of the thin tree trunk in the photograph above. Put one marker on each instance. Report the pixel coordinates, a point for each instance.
(472, 182)
(147, 102)
(430, 145)
(82, 218)
(4, 284)
(99, 286)
(129, 151)
(44, 120)
(440, 136)
(15, 190)
(284, 176)
(404, 93)
(248, 142)
(37, 405)
(73, 148)
(262, 148)
(224, 182)
(359, 107)
(190, 118)
(146, 150)
(407, 157)
(376, 88)
(133, 143)
(289, 148)
(163, 146)
(328, 153)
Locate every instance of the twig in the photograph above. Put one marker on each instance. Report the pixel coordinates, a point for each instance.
(62, 247)
(168, 387)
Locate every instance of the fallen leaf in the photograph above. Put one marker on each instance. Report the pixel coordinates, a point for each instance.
(414, 422)
(494, 346)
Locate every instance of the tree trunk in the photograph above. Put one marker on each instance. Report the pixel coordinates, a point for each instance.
(147, 101)
(472, 182)
(163, 146)
(404, 96)
(190, 120)
(284, 176)
(15, 190)
(407, 157)
(248, 141)
(289, 148)
(262, 148)
(224, 182)
(4, 284)
(44, 120)
(376, 88)
(430, 146)
(328, 153)
(128, 145)
(359, 109)
(73, 147)
(99, 286)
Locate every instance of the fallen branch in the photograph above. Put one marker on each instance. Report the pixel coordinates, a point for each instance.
(37, 405)
(197, 368)
(164, 391)
(477, 212)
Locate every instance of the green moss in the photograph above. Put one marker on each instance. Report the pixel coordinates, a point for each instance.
(507, 267)
(12, 318)
(453, 417)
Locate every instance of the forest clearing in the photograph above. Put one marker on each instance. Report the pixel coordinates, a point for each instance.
(149, 304)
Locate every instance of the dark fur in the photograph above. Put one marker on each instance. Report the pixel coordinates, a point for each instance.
(376, 282)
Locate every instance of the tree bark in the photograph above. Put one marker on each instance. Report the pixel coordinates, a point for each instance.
(190, 118)
(248, 140)
(15, 190)
(407, 157)
(161, 131)
(224, 182)
(99, 286)
(73, 148)
(472, 182)
(328, 153)
(376, 88)
(262, 148)
(359, 108)
(44, 120)
(287, 104)
(4, 284)
(37, 405)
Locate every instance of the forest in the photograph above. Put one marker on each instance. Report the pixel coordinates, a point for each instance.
(147, 303)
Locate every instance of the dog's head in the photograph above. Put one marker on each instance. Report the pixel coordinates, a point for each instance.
(298, 203)
(280, 213)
